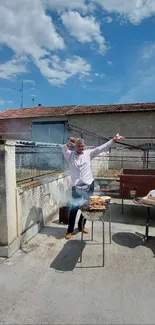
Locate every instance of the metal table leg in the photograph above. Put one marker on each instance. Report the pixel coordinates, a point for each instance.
(92, 231)
(110, 223)
(82, 240)
(122, 206)
(146, 236)
(147, 225)
(103, 241)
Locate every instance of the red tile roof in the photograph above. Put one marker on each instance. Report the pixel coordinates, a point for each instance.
(35, 112)
(116, 108)
(75, 110)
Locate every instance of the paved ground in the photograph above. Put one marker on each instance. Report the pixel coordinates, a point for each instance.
(45, 284)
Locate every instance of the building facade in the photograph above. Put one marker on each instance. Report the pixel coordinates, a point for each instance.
(50, 124)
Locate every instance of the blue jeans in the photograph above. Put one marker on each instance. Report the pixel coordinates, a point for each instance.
(75, 206)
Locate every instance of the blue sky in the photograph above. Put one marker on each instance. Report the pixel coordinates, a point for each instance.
(76, 52)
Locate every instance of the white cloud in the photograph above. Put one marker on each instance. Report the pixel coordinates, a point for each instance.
(84, 29)
(58, 72)
(101, 75)
(109, 62)
(3, 102)
(134, 10)
(141, 90)
(29, 81)
(141, 81)
(108, 19)
(148, 51)
(61, 5)
(14, 67)
(25, 28)
(30, 33)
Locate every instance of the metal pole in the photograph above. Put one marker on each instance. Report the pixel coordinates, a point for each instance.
(147, 159)
(110, 222)
(122, 163)
(103, 241)
(144, 159)
(82, 241)
(92, 232)
(22, 95)
(33, 102)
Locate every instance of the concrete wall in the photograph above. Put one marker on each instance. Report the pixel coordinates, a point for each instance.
(100, 164)
(25, 209)
(108, 124)
(119, 159)
(40, 158)
(8, 230)
(34, 204)
(130, 124)
(39, 201)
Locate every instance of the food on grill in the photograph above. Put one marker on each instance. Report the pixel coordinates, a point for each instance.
(94, 197)
(96, 203)
(106, 198)
(97, 207)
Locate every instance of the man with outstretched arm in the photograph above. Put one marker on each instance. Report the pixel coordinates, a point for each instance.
(79, 162)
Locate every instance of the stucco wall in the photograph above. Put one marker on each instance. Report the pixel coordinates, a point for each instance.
(126, 159)
(8, 229)
(39, 201)
(129, 124)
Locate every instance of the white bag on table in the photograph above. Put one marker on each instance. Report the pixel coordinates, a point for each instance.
(149, 198)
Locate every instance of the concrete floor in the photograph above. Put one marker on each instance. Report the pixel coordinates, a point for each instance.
(44, 284)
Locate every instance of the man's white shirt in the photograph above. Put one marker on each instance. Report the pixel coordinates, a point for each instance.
(80, 164)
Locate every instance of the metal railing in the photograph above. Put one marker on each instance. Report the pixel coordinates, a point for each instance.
(36, 160)
(111, 166)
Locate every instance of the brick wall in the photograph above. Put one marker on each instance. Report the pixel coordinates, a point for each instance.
(20, 129)
(16, 129)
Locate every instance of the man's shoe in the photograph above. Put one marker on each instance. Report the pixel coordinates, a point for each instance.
(68, 235)
(85, 230)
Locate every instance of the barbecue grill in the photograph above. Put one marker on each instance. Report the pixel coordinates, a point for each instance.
(94, 215)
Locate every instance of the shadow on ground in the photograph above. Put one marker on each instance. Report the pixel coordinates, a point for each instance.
(56, 232)
(69, 256)
(133, 215)
(127, 239)
(131, 240)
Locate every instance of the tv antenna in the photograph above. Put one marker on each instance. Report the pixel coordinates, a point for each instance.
(21, 91)
(33, 97)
